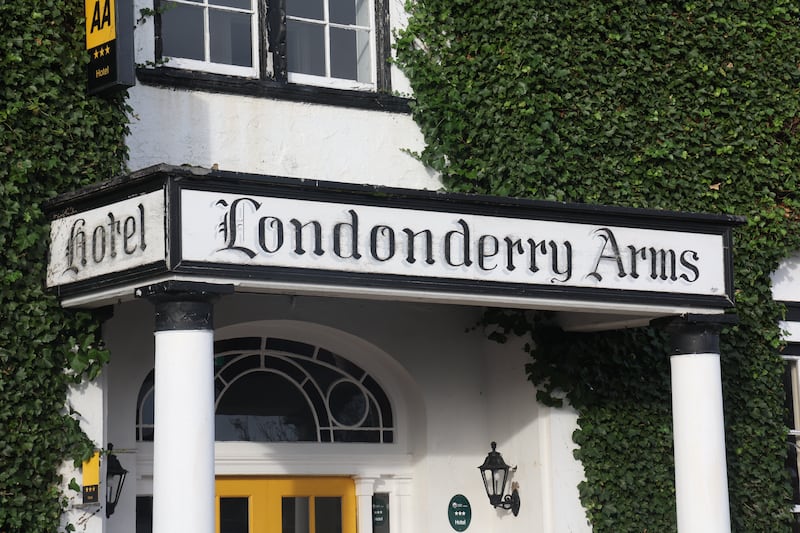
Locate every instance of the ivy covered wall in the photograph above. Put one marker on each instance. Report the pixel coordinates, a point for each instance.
(691, 106)
(676, 105)
(53, 139)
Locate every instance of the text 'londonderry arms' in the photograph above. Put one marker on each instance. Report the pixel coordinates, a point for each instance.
(248, 227)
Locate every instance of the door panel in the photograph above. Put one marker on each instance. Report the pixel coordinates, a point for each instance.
(246, 504)
(234, 513)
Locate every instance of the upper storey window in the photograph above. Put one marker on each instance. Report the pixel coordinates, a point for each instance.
(329, 39)
(213, 35)
(330, 43)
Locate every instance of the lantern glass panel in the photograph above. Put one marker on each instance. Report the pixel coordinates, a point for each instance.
(487, 481)
(500, 481)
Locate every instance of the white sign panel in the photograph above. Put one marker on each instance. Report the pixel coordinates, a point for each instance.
(259, 231)
(109, 239)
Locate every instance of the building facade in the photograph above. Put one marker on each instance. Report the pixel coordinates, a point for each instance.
(362, 399)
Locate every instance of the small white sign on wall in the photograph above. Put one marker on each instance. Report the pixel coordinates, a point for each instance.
(109, 239)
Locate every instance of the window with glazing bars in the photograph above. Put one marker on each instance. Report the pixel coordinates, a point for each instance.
(332, 43)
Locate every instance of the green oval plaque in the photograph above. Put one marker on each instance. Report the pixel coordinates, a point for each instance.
(459, 512)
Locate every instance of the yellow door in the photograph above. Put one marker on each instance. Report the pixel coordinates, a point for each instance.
(247, 504)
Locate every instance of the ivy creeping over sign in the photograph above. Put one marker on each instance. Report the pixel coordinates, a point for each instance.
(690, 106)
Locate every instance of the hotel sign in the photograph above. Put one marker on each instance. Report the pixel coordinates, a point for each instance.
(262, 233)
(109, 45)
(114, 238)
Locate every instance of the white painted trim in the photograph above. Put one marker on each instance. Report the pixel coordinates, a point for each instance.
(213, 68)
(365, 488)
(291, 459)
(645, 311)
(334, 83)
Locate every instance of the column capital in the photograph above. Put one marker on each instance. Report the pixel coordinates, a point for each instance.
(183, 305)
(694, 333)
(365, 485)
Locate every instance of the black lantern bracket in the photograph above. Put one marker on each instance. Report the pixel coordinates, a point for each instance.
(494, 472)
(115, 479)
(511, 501)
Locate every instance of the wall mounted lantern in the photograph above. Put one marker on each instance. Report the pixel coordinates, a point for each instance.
(115, 478)
(494, 472)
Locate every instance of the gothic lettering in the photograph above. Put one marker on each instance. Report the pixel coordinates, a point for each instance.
(275, 227)
(459, 235)
(353, 237)
(659, 264)
(232, 226)
(253, 227)
(76, 246)
(316, 230)
(411, 238)
(381, 238)
(566, 271)
(113, 239)
(488, 246)
(609, 251)
(687, 260)
(662, 264)
(636, 254)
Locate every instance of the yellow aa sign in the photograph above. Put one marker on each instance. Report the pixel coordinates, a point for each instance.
(91, 479)
(100, 22)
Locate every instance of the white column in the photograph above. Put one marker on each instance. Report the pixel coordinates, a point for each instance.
(365, 488)
(701, 476)
(183, 445)
(701, 480)
(401, 518)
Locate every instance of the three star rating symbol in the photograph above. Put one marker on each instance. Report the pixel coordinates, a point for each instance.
(102, 51)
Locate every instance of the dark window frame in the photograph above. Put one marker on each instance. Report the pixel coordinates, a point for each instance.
(274, 84)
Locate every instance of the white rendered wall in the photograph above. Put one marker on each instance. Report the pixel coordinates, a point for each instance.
(538, 440)
(460, 390)
(129, 337)
(266, 136)
(87, 400)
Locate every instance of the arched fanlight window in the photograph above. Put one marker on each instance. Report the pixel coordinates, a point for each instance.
(145, 409)
(272, 390)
